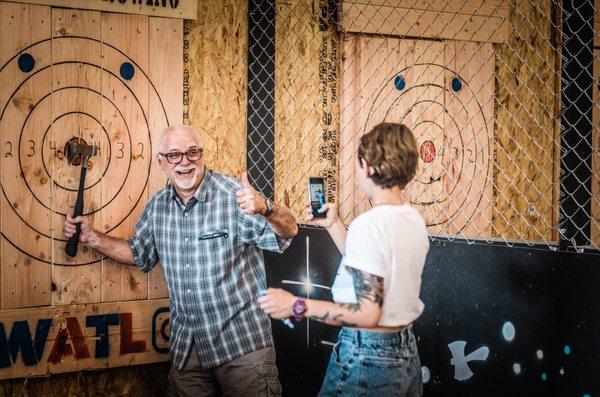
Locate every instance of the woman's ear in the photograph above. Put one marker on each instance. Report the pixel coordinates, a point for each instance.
(367, 168)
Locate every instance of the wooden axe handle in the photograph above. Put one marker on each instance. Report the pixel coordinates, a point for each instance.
(71, 247)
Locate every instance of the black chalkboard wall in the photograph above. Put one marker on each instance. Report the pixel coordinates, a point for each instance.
(534, 313)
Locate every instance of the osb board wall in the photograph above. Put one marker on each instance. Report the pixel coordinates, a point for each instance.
(112, 80)
(443, 91)
(525, 129)
(216, 69)
(306, 99)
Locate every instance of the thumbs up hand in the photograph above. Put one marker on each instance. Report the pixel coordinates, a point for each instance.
(249, 200)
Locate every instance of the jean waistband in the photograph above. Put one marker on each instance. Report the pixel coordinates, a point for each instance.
(361, 336)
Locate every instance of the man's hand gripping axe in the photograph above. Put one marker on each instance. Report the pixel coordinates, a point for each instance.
(77, 150)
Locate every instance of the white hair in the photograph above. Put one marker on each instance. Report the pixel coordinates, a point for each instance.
(161, 135)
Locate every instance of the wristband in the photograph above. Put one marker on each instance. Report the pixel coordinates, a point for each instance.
(299, 308)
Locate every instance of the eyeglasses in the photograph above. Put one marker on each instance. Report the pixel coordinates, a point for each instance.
(176, 157)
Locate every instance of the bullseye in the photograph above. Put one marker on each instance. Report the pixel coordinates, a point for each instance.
(427, 151)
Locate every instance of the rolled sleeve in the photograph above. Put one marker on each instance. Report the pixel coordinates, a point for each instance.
(142, 244)
(256, 230)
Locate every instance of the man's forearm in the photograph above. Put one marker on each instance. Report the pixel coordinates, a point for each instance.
(283, 222)
(115, 248)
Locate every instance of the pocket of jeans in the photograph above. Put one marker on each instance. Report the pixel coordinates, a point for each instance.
(335, 353)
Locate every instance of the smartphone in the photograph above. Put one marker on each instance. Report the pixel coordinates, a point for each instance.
(316, 191)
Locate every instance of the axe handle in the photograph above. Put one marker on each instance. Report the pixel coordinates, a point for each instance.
(71, 247)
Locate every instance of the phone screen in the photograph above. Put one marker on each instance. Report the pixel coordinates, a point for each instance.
(316, 189)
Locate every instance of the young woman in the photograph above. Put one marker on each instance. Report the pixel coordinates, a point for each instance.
(376, 290)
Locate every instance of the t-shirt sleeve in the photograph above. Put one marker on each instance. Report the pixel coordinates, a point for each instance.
(143, 244)
(365, 249)
(255, 230)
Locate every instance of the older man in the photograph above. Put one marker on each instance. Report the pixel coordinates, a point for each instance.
(207, 230)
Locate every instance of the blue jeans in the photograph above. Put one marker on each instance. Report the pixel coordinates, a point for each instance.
(374, 364)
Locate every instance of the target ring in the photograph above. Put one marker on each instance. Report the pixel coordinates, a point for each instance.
(445, 186)
(36, 150)
(74, 188)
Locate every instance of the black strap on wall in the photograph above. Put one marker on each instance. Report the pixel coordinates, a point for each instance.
(261, 95)
(576, 122)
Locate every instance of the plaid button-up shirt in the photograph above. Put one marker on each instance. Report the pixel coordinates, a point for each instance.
(214, 268)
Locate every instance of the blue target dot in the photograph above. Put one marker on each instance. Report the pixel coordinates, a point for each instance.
(456, 84)
(26, 63)
(399, 83)
(127, 71)
(567, 349)
(544, 376)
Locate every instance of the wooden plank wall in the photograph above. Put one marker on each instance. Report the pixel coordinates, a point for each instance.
(20, 26)
(165, 37)
(114, 80)
(217, 66)
(524, 176)
(172, 9)
(410, 81)
(76, 283)
(306, 99)
(119, 282)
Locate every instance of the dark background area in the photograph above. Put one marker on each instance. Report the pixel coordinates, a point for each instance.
(470, 291)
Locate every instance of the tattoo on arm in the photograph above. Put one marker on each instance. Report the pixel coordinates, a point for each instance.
(367, 286)
(351, 307)
(338, 319)
(322, 318)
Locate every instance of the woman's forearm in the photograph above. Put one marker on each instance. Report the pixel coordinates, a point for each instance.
(363, 315)
(338, 231)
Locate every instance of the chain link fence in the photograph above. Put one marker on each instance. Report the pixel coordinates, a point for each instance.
(502, 96)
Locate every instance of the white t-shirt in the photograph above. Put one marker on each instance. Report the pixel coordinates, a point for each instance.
(389, 241)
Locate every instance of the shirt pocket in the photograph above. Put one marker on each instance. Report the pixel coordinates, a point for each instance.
(216, 246)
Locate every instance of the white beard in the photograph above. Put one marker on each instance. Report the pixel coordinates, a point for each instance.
(187, 184)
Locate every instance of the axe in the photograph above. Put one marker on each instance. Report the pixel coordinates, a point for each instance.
(77, 149)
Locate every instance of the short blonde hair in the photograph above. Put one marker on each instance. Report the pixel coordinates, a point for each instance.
(161, 135)
(391, 150)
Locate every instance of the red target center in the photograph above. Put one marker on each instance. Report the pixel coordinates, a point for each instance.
(427, 151)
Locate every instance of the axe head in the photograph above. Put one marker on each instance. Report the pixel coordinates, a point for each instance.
(76, 150)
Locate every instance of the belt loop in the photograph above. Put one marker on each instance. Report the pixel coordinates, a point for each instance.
(357, 338)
